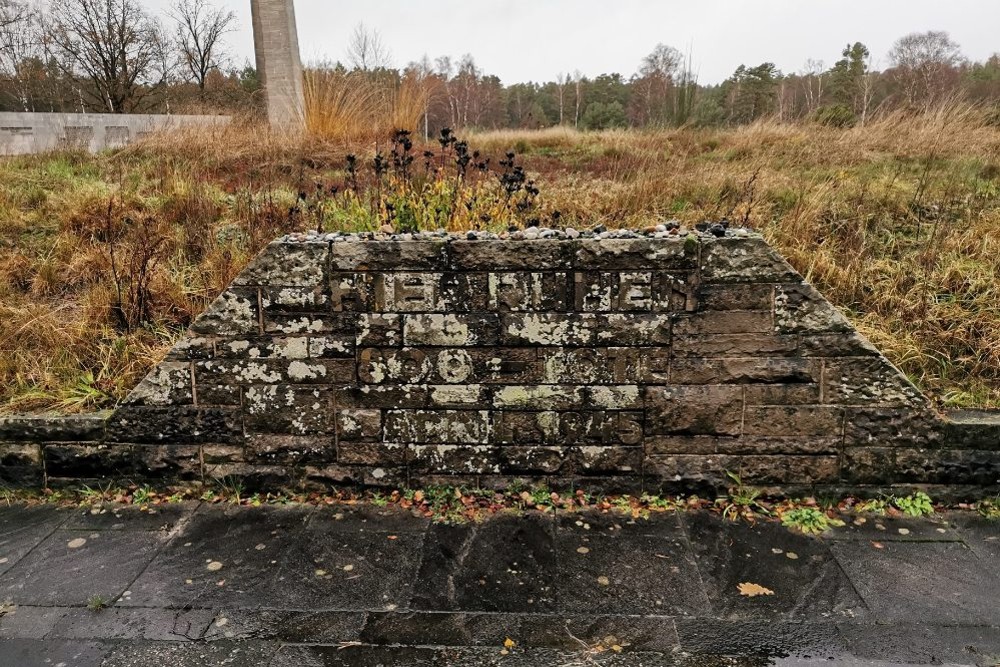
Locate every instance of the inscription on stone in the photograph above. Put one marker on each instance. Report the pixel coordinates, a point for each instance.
(647, 360)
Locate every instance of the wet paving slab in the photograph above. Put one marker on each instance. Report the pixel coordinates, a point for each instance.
(982, 535)
(224, 557)
(938, 582)
(365, 585)
(506, 564)
(626, 566)
(72, 567)
(924, 644)
(803, 577)
(23, 528)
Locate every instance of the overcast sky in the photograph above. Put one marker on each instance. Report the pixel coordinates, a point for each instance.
(535, 40)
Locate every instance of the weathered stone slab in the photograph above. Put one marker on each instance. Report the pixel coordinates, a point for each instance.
(291, 409)
(288, 265)
(236, 312)
(529, 292)
(698, 410)
(724, 322)
(744, 260)
(380, 255)
(625, 254)
(568, 428)
(744, 371)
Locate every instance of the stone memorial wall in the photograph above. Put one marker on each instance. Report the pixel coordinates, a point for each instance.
(618, 361)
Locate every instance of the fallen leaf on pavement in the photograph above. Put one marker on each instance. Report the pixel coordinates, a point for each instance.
(753, 590)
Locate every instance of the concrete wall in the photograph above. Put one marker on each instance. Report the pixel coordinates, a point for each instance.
(637, 362)
(279, 63)
(25, 133)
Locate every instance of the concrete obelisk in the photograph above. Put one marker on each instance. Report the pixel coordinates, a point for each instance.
(279, 64)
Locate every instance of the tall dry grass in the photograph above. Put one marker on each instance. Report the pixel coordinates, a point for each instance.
(897, 222)
(360, 106)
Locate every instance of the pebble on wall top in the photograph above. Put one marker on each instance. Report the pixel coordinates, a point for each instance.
(666, 356)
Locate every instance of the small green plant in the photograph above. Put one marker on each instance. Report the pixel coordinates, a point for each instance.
(90, 496)
(379, 499)
(622, 504)
(874, 506)
(659, 503)
(809, 520)
(208, 496)
(742, 500)
(143, 495)
(96, 603)
(232, 488)
(989, 508)
(916, 505)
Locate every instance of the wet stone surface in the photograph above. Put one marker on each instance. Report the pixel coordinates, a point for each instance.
(71, 567)
(359, 585)
(22, 528)
(806, 580)
(941, 582)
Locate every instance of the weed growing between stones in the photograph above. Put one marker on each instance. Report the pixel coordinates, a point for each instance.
(457, 505)
(742, 502)
(916, 505)
(809, 520)
(989, 508)
(96, 603)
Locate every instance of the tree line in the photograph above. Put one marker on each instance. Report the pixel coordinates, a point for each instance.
(113, 56)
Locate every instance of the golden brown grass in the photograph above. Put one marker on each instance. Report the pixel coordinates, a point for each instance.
(898, 223)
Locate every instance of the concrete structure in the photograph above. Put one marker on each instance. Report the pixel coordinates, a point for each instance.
(279, 64)
(636, 361)
(24, 133)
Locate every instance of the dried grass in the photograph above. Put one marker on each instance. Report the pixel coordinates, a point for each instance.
(897, 222)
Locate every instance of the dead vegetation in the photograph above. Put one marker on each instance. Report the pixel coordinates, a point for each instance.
(104, 260)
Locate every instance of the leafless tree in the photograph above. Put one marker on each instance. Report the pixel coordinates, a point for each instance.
(578, 84)
(812, 83)
(110, 48)
(924, 64)
(655, 81)
(21, 53)
(866, 91)
(199, 31)
(562, 82)
(366, 51)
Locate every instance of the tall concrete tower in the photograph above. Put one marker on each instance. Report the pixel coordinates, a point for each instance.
(279, 64)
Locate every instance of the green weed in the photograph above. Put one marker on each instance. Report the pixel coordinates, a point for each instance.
(809, 520)
(916, 505)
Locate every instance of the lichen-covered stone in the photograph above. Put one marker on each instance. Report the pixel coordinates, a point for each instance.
(868, 381)
(437, 426)
(744, 260)
(169, 383)
(800, 308)
(291, 409)
(287, 265)
(235, 312)
(451, 330)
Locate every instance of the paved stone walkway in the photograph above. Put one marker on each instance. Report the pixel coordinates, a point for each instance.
(199, 586)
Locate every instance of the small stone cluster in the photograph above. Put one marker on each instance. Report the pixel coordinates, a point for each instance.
(659, 359)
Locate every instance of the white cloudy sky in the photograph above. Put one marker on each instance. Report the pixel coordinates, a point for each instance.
(524, 40)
